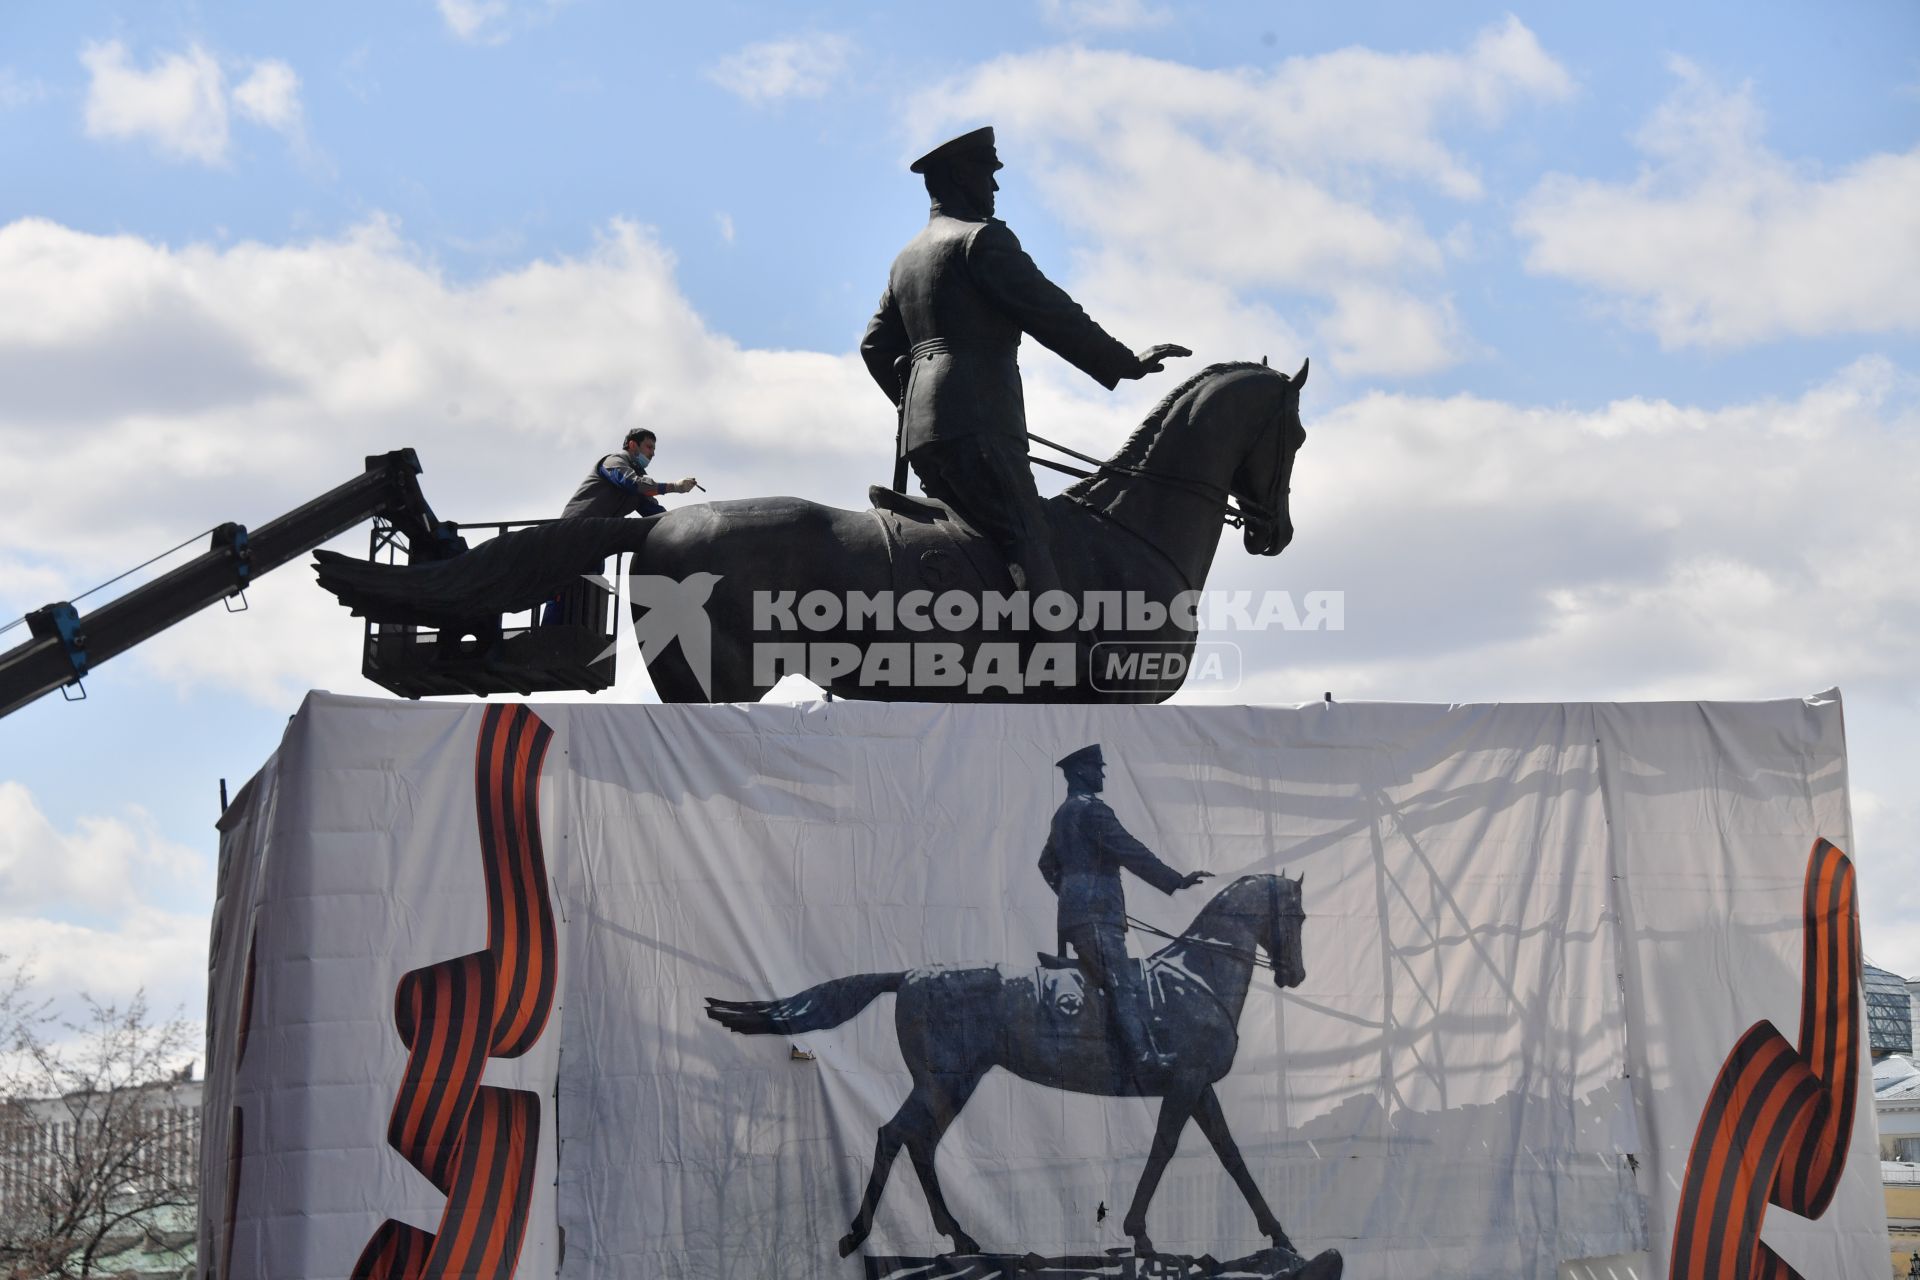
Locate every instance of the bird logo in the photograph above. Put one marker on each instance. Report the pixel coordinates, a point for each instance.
(676, 609)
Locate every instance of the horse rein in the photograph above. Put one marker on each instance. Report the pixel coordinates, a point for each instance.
(1233, 516)
(1250, 954)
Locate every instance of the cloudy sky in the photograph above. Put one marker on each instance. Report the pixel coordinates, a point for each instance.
(1612, 315)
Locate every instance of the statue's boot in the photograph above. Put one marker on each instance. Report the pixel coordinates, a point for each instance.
(1030, 565)
(1135, 1040)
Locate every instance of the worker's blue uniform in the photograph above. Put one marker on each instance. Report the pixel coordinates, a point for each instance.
(616, 485)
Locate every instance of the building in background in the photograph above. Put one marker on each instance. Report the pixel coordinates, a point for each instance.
(1892, 1012)
(147, 1229)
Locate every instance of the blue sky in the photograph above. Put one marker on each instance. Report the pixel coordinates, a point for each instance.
(1610, 311)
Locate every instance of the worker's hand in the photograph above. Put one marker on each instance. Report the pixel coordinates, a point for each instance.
(685, 486)
(1150, 358)
(1193, 878)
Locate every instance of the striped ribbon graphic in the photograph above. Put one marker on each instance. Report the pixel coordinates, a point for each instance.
(1777, 1122)
(476, 1142)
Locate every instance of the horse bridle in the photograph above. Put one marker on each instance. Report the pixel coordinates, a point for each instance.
(1220, 495)
(1250, 954)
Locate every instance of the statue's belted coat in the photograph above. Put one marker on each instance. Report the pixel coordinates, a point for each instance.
(1084, 853)
(957, 300)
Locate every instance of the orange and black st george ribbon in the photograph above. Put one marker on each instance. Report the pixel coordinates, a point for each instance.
(476, 1142)
(1777, 1123)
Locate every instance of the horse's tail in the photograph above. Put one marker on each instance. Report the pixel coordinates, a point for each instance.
(512, 572)
(815, 1009)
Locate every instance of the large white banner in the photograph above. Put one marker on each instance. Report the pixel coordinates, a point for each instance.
(770, 991)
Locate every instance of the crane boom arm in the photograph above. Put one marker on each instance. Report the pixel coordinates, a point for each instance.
(65, 646)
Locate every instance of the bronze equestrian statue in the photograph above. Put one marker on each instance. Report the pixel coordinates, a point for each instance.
(956, 1024)
(714, 586)
(943, 346)
(1147, 521)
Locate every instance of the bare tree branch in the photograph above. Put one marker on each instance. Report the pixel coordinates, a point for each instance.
(91, 1139)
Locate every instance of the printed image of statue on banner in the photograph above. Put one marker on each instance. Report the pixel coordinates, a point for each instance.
(1103, 1024)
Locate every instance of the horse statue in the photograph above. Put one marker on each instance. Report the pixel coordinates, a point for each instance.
(1144, 525)
(1046, 1025)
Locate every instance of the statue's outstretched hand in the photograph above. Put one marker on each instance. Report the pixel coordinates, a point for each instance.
(1193, 878)
(1150, 358)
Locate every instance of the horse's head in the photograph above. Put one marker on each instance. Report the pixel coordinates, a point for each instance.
(1264, 478)
(1228, 432)
(1286, 921)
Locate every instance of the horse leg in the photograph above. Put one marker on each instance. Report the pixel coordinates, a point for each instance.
(733, 672)
(674, 682)
(1176, 1105)
(909, 1120)
(1213, 1123)
(730, 674)
(909, 1127)
(944, 1099)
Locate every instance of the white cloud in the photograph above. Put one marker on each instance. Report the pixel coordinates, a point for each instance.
(1146, 303)
(105, 865)
(270, 96)
(475, 20)
(493, 22)
(25, 584)
(1106, 15)
(796, 67)
(1374, 330)
(18, 92)
(1349, 111)
(182, 105)
(1720, 242)
(1260, 179)
(1883, 832)
(179, 103)
(162, 953)
(1642, 549)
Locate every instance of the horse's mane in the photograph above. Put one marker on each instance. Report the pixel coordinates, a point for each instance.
(1219, 903)
(1135, 449)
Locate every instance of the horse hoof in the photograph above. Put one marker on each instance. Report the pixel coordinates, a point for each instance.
(1142, 1246)
(849, 1242)
(962, 1244)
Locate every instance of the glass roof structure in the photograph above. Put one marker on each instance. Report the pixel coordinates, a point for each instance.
(1889, 1017)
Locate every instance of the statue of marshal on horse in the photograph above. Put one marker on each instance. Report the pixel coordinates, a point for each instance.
(944, 344)
(1116, 554)
(1086, 850)
(1049, 1026)
(1081, 1028)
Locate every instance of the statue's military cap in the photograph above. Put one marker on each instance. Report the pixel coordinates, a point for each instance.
(976, 146)
(1080, 759)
